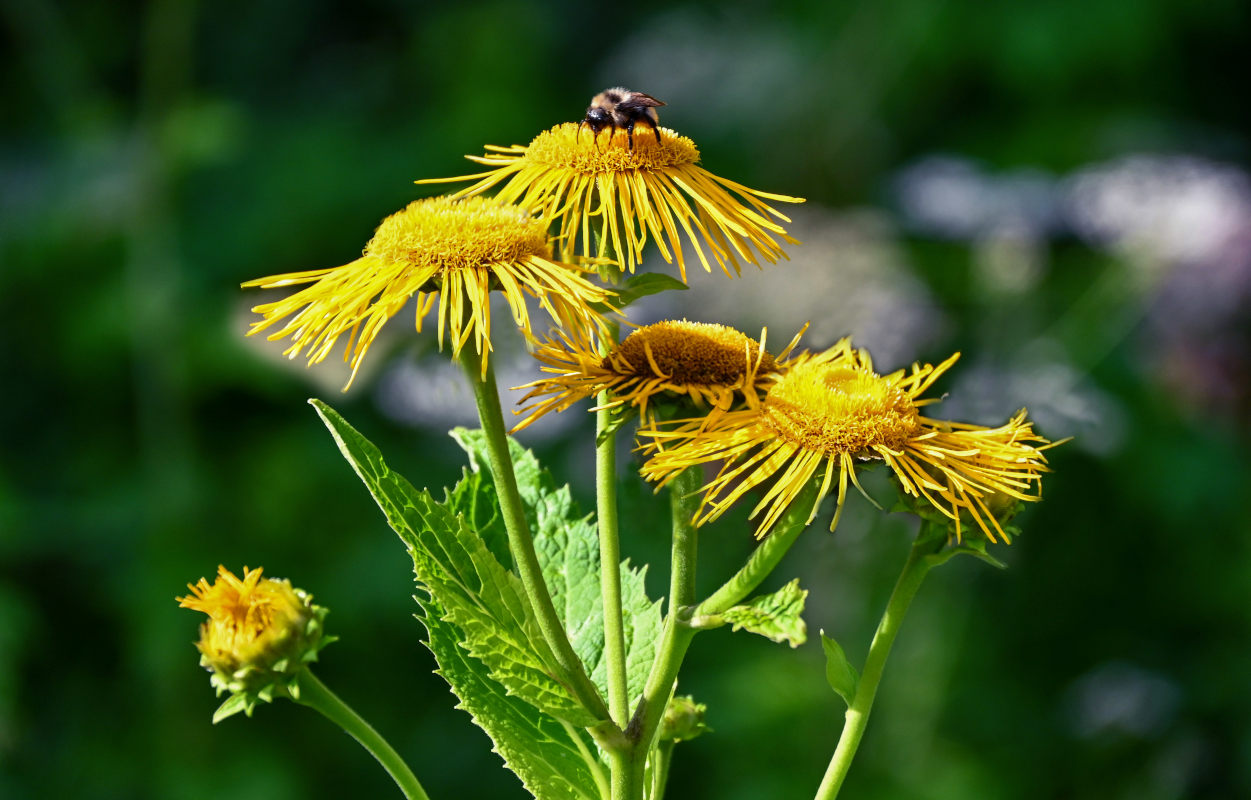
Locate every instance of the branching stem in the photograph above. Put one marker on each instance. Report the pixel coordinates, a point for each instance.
(521, 545)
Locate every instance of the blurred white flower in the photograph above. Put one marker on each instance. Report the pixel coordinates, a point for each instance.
(954, 198)
(1178, 208)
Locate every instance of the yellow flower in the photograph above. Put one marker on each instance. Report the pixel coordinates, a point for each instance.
(830, 410)
(260, 632)
(709, 363)
(599, 184)
(456, 250)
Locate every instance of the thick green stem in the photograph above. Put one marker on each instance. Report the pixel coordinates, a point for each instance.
(763, 560)
(683, 500)
(521, 544)
(610, 561)
(620, 767)
(914, 571)
(677, 634)
(315, 695)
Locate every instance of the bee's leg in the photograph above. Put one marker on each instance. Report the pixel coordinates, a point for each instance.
(656, 131)
(629, 126)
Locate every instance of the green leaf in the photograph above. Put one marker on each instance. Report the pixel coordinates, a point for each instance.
(618, 416)
(645, 283)
(567, 545)
(233, 705)
(553, 760)
(839, 672)
(635, 287)
(473, 590)
(776, 616)
(970, 547)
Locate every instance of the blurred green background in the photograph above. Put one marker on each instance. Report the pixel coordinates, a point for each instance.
(1057, 189)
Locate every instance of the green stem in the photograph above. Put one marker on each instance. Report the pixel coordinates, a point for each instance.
(315, 695)
(793, 522)
(683, 500)
(610, 560)
(919, 563)
(677, 634)
(521, 544)
(660, 769)
(620, 765)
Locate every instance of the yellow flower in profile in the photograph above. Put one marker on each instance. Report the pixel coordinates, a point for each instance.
(457, 251)
(622, 194)
(830, 410)
(711, 364)
(259, 634)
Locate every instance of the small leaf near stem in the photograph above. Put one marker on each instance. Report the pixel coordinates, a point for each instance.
(318, 697)
(839, 672)
(777, 616)
(521, 544)
(920, 562)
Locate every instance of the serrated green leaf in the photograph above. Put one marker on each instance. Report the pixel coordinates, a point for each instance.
(777, 616)
(554, 761)
(567, 545)
(474, 497)
(842, 676)
(476, 593)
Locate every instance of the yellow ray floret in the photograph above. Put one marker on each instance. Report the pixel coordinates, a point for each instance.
(438, 248)
(827, 412)
(713, 365)
(599, 184)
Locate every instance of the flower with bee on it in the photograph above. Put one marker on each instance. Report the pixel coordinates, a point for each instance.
(711, 365)
(621, 191)
(452, 251)
(829, 411)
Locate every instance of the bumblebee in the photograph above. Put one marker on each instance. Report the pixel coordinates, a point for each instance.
(621, 108)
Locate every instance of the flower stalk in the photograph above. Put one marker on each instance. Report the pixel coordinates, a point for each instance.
(920, 561)
(677, 634)
(521, 543)
(762, 561)
(317, 696)
(610, 561)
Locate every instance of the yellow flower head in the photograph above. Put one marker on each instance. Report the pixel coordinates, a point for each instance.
(711, 364)
(260, 631)
(598, 183)
(830, 410)
(457, 251)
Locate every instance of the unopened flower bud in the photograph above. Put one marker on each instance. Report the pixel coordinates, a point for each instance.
(684, 719)
(261, 632)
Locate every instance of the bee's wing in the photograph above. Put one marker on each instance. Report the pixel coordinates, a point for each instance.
(637, 101)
